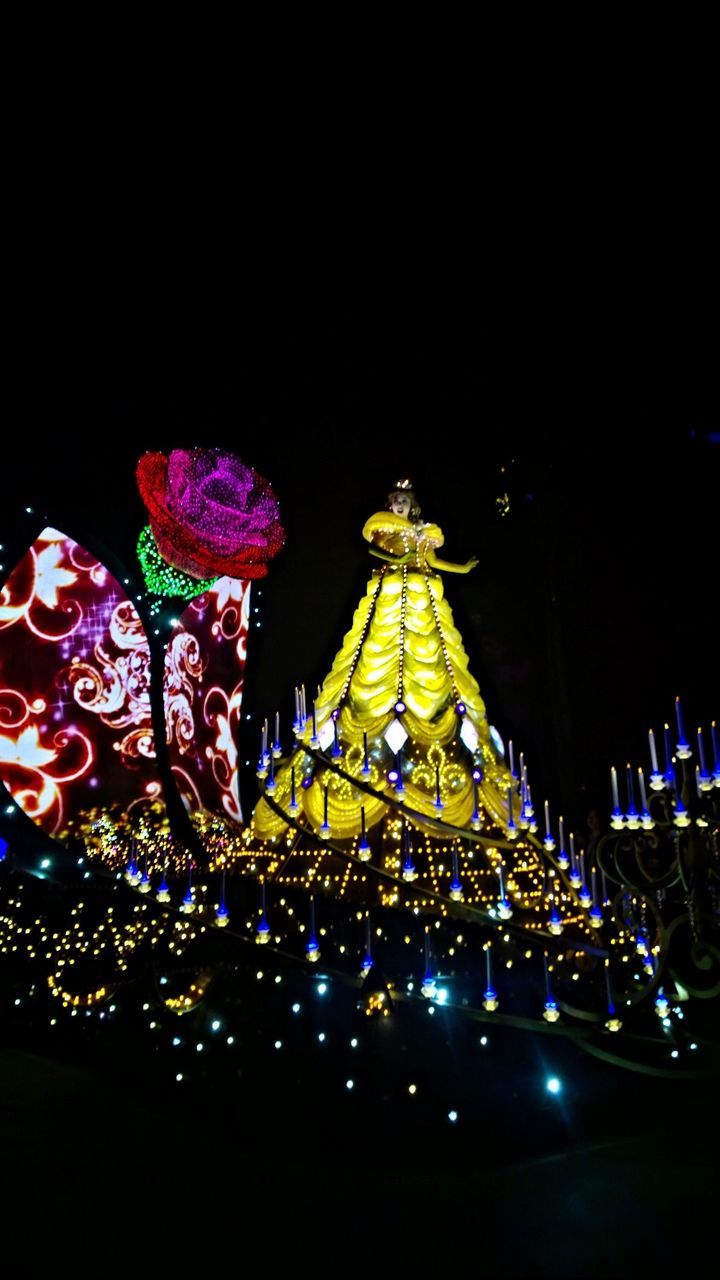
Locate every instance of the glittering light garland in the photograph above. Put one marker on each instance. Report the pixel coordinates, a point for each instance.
(445, 653)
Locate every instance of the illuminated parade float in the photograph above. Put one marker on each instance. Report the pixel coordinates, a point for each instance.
(396, 850)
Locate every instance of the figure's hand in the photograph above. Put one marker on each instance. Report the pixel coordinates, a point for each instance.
(471, 563)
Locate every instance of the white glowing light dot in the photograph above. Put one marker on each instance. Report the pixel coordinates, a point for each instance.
(553, 1085)
(321, 1037)
(349, 1084)
(396, 736)
(453, 1117)
(278, 1044)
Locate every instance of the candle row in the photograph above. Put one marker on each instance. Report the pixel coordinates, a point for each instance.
(659, 779)
(630, 817)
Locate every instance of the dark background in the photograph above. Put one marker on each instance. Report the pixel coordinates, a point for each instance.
(593, 601)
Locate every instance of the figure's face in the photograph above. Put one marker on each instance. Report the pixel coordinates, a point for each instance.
(400, 504)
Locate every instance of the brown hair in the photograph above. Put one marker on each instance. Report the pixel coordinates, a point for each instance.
(405, 487)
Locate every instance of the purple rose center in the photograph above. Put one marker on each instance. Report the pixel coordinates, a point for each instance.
(224, 502)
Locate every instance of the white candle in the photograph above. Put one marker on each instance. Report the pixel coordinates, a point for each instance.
(613, 780)
(641, 780)
(653, 752)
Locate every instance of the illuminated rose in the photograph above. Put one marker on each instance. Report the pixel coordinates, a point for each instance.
(210, 514)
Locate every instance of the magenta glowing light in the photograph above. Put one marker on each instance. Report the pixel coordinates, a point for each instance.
(210, 513)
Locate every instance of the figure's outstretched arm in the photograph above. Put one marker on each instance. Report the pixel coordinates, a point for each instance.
(447, 566)
(391, 559)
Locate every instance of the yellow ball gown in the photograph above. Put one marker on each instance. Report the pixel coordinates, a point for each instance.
(399, 724)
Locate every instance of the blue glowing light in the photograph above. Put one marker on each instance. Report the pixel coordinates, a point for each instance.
(553, 1085)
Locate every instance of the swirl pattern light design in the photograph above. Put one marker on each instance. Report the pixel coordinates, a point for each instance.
(75, 723)
(203, 687)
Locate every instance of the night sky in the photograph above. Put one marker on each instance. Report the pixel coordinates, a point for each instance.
(590, 607)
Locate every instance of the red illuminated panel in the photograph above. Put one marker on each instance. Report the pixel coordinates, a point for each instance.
(204, 670)
(75, 728)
